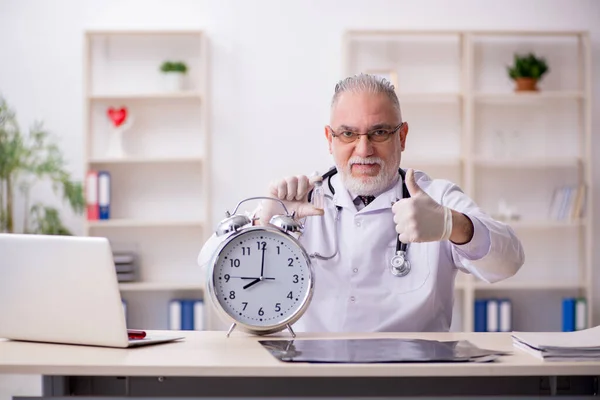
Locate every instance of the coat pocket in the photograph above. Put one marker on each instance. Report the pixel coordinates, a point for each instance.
(420, 268)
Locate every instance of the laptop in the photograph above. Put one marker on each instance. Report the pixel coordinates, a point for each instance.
(63, 289)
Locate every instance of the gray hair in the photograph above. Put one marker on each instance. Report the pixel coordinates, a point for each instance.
(367, 83)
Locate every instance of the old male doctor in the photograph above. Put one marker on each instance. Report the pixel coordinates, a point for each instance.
(444, 229)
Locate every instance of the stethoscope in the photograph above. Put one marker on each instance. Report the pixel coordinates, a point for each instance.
(399, 264)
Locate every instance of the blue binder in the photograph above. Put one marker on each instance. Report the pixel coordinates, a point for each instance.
(480, 315)
(187, 315)
(568, 314)
(104, 194)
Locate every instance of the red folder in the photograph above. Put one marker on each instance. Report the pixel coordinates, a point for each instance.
(91, 196)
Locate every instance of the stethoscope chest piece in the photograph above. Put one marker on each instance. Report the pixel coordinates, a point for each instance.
(400, 266)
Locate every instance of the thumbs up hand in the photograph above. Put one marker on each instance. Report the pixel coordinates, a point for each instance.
(420, 218)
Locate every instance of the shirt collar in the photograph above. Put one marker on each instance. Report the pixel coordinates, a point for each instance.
(345, 199)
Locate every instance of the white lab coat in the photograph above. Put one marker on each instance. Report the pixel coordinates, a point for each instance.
(356, 292)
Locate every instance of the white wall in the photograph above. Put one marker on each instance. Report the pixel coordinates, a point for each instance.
(273, 67)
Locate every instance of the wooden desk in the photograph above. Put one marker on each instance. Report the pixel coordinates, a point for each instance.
(210, 364)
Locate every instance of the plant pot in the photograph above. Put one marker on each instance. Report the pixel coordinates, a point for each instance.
(526, 85)
(173, 81)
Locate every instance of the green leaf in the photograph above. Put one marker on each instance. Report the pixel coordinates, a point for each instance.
(28, 158)
(46, 221)
(527, 66)
(173, 66)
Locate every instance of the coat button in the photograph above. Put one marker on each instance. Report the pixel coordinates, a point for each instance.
(355, 270)
(352, 299)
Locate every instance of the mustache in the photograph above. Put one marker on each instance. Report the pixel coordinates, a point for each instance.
(367, 160)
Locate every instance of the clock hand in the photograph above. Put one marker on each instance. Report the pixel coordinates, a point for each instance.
(262, 263)
(260, 279)
(254, 282)
(251, 277)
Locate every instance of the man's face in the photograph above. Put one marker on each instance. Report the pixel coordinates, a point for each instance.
(366, 167)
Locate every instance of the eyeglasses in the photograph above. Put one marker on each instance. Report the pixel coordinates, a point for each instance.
(375, 136)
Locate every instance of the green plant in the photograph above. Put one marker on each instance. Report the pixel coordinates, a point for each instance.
(527, 66)
(173, 66)
(27, 159)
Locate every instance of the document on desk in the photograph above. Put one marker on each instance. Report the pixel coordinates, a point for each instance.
(377, 351)
(583, 345)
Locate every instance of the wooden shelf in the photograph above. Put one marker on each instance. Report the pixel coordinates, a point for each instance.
(528, 96)
(135, 223)
(557, 162)
(548, 224)
(159, 286)
(476, 115)
(508, 285)
(146, 160)
(146, 96)
(408, 98)
(142, 32)
(460, 285)
(169, 176)
(432, 163)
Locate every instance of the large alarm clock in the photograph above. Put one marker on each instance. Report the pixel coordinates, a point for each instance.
(260, 278)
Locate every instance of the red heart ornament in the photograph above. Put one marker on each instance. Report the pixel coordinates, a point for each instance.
(117, 116)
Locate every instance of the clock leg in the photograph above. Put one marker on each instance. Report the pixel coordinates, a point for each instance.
(291, 330)
(231, 328)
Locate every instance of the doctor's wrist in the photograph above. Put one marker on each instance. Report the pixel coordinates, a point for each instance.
(462, 228)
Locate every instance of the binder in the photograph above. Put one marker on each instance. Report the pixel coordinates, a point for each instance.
(175, 315)
(187, 315)
(198, 315)
(104, 194)
(505, 315)
(580, 314)
(492, 315)
(91, 196)
(480, 315)
(568, 314)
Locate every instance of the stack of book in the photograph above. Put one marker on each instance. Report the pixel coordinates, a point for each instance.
(581, 345)
(125, 264)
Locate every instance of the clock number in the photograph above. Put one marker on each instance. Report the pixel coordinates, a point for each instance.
(232, 295)
(261, 312)
(227, 277)
(277, 307)
(245, 303)
(278, 250)
(291, 262)
(262, 245)
(289, 296)
(235, 262)
(295, 279)
(245, 251)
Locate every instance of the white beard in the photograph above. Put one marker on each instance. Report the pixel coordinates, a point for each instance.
(371, 185)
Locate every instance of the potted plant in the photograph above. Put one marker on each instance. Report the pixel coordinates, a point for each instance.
(27, 159)
(527, 70)
(174, 72)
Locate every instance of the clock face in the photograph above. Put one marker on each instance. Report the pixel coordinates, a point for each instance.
(261, 278)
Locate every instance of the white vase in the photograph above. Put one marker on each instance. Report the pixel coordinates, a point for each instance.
(173, 81)
(115, 144)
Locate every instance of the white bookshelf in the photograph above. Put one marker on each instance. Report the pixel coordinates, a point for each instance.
(467, 124)
(160, 191)
(133, 223)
